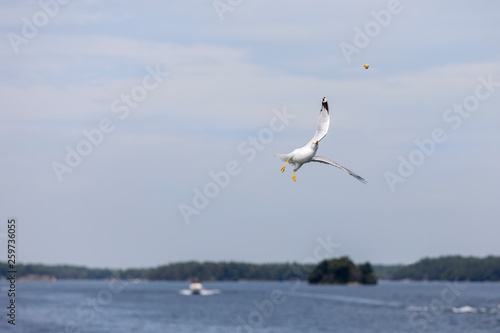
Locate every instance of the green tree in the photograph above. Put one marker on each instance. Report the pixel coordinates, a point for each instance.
(342, 271)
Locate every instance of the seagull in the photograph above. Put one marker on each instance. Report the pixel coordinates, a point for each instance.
(307, 153)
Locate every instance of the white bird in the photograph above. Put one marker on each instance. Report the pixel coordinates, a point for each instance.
(307, 153)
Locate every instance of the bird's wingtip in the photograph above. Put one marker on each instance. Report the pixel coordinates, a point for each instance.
(324, 105)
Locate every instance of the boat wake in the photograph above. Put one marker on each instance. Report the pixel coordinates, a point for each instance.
(414, 308)
(347, 299)
(462, 309)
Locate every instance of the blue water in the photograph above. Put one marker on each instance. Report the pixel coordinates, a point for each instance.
(120, 306)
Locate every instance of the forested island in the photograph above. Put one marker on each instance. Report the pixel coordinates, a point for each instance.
(447, 268)
(342, 271)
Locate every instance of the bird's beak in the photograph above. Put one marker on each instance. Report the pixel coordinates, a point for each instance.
(316, 142)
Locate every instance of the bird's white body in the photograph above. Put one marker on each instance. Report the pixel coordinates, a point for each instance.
(300, 155)
(307, 154)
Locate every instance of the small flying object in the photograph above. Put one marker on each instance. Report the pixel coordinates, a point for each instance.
(307, 153)
(366, 66)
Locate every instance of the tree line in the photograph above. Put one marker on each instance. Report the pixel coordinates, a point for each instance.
(449, 268)
(206, 271)
(340, 270)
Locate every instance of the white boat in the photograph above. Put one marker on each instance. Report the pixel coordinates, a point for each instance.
(195, 287)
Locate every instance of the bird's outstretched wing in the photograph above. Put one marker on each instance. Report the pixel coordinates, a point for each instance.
(322, 159)
(323, 122)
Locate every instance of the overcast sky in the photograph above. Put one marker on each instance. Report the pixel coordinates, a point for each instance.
(117, 117)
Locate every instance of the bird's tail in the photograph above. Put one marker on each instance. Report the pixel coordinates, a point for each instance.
(283, 157)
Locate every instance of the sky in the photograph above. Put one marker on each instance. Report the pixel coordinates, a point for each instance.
(137, 134)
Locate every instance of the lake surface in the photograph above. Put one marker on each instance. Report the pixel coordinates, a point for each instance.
(126, 306)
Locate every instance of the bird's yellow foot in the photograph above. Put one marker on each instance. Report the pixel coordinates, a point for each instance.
(283, 168)
(294, 176)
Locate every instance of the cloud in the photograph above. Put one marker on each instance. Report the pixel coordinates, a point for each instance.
(225, 80)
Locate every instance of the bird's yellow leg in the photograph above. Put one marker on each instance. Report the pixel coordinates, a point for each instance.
(294, 176)
(283, 168)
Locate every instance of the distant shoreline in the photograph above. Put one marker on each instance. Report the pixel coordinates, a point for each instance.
(447, 268)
